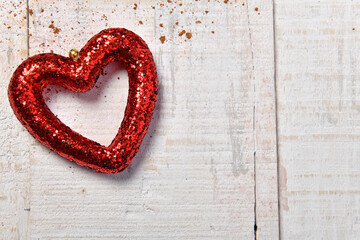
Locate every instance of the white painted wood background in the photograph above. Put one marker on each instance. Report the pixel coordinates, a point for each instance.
(258, 108)
(318, 113)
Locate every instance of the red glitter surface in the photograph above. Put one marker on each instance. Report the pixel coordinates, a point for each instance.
(35, 73)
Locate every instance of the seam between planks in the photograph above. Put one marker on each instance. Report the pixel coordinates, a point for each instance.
(28, 208)
(254, 118)
(276, 121)
(254, 129)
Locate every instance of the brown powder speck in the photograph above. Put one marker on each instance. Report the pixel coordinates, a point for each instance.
(135, 6)
(153, 7)
(226, 1)
(206, 11)
(182, 33)
(9, 27)
(169, 1)
(212, 32)
(180, 4)
(162, 39)
(353, 29)
(182, 12)
(188, 35)
(51, 51)
(177, 23)
(256, 9)
(198, 21)
(161, 25)
(31, 12)
(42, 10)
(55, 29)
(104, 17)
(140, 22)
(243, 4)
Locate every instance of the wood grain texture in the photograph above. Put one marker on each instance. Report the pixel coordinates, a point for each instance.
(318, 118)
(207, 168)
(14, 155)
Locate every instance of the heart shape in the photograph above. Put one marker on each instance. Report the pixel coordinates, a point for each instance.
(35, 73)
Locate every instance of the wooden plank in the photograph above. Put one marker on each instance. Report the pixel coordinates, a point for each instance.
(318, 118)
(14, 154)
(194, 176)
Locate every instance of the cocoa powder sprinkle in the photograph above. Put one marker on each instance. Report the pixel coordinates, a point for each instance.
(55, 29)
(182, 33)
(162, 39)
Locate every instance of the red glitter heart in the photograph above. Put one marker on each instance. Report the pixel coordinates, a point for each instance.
(35, 73)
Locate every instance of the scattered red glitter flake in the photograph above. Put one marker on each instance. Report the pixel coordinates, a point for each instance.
(35, 73)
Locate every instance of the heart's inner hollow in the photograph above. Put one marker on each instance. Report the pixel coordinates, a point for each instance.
(98, 113)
